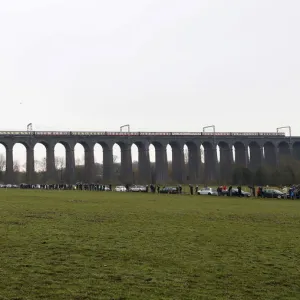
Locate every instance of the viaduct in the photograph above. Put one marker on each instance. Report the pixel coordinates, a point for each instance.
(265, 148)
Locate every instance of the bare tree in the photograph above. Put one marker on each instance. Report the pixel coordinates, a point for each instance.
(79, 161)
(2, 163)
(16, 166)
(60, 162)
(40, 165)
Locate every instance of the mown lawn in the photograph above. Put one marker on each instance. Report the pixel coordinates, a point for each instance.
(102, 245)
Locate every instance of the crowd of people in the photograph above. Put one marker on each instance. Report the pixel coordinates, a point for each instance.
(77, 186)
(292, 192)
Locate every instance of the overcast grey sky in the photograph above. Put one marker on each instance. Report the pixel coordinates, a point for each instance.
(158, 65)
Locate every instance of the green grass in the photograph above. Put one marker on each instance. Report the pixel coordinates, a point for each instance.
(101, 245)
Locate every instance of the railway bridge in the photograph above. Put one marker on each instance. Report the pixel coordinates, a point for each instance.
(252, 149)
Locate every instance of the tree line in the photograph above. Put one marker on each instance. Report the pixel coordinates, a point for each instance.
(286, 173)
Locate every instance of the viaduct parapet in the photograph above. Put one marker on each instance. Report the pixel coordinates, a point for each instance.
(265, 148)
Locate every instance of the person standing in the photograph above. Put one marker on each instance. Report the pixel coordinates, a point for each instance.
(240, 191)
(253, 190)
(230, 191)
(191, 189)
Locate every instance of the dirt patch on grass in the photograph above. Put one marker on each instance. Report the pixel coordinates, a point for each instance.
(76, 201)
(41, 215)
(17, 223)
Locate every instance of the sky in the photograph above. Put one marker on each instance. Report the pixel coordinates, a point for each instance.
(156, 65)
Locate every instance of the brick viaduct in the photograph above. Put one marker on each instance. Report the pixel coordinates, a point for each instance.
(264, 148)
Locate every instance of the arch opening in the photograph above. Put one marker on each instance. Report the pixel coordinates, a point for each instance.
(202, 154)
(169, 151)
(116, 153)
(135, 149)
(40, 158)
(152, 153)
(40, 163)
(60, 161)
(19, 163)
(2, 163)
(79, 155)
(80, 163)
(233, 154)
(218, 152)
(98, 165)
(116, 149)
(186, 154)
(19, 158)
(152, 163)
(2, 158)
(186, 176)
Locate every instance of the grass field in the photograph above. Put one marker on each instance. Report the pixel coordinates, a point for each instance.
(101, 245)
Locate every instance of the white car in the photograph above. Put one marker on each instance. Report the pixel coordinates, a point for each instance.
(208, 191)
(137, 188)
(120, 188)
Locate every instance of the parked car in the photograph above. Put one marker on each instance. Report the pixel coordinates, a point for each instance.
(137, 188)
(120, 188)
(169, 190)
(208, 191)
(235, 193)
(271, 193)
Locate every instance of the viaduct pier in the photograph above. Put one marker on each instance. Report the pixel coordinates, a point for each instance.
(252, 149)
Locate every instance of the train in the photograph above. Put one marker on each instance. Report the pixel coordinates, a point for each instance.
(122, 133)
